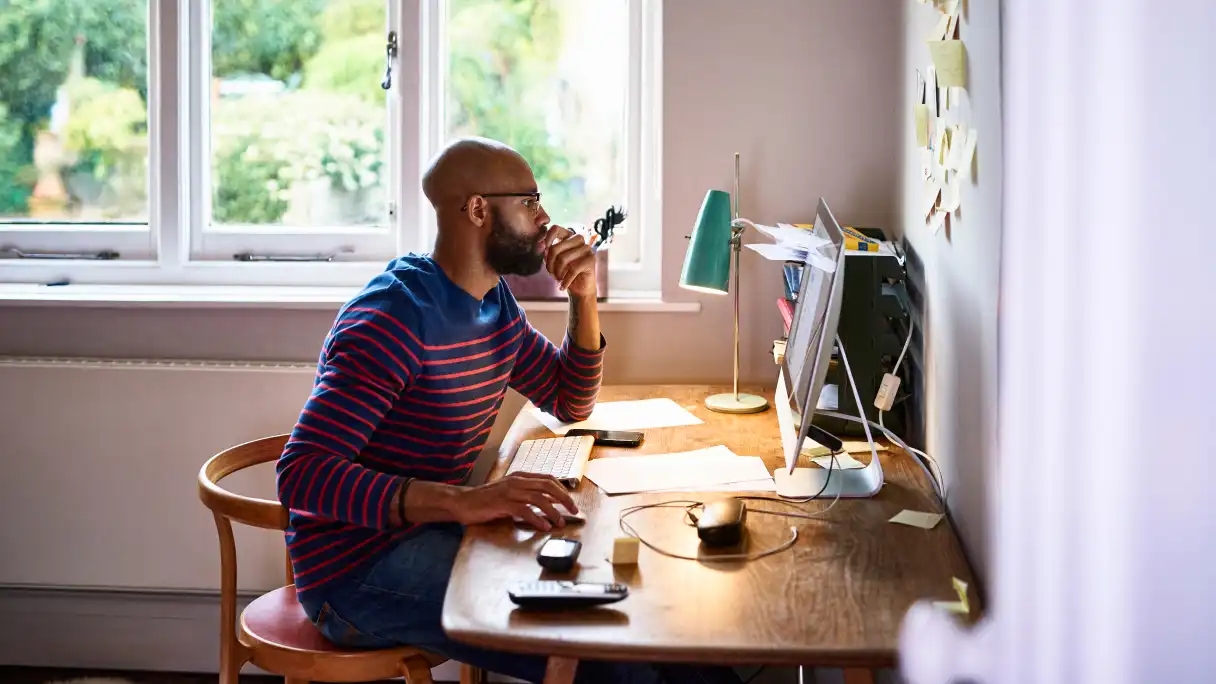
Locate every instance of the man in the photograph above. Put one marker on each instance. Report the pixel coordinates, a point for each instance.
(409, 383)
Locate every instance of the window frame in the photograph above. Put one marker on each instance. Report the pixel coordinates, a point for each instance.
(175, 247)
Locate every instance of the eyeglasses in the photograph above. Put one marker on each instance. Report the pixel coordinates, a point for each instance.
(532, 200)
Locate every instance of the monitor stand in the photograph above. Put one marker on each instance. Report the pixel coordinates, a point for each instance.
(807, 482)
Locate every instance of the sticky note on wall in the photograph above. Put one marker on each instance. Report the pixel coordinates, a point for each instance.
(922, 125)
(950, 62)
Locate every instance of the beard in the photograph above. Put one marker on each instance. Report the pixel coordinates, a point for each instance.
(511, 254)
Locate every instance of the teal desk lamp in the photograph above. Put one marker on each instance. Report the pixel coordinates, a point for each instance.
(716, 239)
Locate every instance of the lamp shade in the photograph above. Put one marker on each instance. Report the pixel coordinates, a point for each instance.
(707, 261)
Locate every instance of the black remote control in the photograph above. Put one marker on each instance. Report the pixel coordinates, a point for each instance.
(557, 594)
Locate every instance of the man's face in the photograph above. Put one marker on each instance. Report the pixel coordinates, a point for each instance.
(513, 246)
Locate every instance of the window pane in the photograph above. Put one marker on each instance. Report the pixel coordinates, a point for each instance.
(298, 117)
(550, 78)
(73, 111)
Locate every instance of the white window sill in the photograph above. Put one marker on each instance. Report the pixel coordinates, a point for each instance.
(263, 297)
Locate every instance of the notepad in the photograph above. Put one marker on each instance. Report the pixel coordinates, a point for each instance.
(962, 606)
(706, 469)
(925, 521)
(642, 414)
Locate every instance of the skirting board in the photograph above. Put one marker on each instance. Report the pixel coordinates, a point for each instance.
(121, 630)
(172, 632)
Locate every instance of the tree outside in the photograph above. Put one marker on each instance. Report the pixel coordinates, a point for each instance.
(298, 118)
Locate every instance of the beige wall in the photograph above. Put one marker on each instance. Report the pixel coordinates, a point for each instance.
(806, 91)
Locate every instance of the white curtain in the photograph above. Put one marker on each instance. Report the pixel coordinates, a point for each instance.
(1105, 515)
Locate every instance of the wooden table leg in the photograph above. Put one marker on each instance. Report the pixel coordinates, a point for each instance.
(472, 675)
(858, 675)
(560, 670)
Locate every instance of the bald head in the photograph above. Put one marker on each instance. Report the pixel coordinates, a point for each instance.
(472, 166)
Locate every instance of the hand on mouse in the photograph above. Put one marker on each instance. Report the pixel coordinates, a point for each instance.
(518, 495)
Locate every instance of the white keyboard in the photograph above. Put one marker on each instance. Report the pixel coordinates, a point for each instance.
(562, 457)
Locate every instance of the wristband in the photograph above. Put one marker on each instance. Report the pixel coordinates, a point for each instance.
(401, 501)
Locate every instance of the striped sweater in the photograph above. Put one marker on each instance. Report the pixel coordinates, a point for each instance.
(410, 380)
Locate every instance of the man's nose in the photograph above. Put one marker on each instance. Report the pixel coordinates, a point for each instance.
(542, 217)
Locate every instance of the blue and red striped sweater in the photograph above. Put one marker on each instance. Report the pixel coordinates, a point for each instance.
(410, 380)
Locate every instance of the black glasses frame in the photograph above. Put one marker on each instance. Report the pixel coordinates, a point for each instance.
(534, 195)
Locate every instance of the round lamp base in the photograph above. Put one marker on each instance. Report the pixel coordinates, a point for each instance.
(729, 402)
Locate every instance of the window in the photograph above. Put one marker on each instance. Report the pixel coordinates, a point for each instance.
(252, 142)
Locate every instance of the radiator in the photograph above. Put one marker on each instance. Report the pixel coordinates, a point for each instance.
(99, 465)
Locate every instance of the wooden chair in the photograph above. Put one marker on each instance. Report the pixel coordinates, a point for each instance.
(274, 633)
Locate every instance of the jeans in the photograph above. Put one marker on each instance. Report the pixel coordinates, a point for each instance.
(399, 601)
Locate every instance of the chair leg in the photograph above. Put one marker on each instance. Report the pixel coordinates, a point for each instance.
(230, 667)
(560, 670)
(472, 675)
(417, 671)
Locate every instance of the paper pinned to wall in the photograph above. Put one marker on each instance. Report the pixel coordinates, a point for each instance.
(937, 221)
(932, 192)
(921, 115)
(968, 153)
(952, 195)
(950, 62)
(642, 414)
(939, 29)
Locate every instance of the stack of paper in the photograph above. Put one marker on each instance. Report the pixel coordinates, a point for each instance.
(791, 243)
(642, 414)
(713, 469)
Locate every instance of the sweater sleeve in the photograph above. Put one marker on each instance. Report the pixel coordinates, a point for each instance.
(563, 382)
(369, 359)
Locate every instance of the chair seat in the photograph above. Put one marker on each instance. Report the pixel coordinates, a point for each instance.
(278, 619)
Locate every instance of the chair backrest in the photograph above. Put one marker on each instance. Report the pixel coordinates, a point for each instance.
(243, 509)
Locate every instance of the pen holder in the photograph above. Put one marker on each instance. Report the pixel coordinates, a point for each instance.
(541, 287)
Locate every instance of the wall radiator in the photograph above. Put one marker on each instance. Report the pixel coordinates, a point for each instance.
(100, 459)
(107, 557)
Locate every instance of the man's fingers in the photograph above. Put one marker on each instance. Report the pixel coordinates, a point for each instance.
(548, 510)
(529, 515)
(546, 485)
(584, 264)
(564, 262)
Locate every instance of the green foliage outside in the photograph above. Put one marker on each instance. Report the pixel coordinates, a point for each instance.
(328, 124)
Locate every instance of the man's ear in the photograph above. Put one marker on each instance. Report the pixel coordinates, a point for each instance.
(478, 211)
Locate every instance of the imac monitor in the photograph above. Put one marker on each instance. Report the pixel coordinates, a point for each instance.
(808, 353)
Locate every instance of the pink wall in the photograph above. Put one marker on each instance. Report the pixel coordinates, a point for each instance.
(807, 93)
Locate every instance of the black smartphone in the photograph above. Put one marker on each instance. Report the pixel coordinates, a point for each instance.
(558, 554)
(615, 438)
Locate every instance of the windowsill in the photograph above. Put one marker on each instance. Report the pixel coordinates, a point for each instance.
(265, 297)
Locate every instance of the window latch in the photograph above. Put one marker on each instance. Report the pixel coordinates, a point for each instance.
(390, 53)
(250, 256)
(103, 255)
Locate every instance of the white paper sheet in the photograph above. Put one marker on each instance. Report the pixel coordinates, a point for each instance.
(765, 485)
(642, 414)
(705, 469)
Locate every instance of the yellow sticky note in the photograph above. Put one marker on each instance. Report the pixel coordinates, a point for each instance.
(922, 125)
(925, 521)
(962, 605)
(931, 193)
(950, 62)
(842, 462)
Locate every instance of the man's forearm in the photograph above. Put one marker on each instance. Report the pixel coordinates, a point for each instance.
(583, 325)
(427, 502)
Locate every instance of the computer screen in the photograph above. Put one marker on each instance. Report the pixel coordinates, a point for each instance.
(808, 350)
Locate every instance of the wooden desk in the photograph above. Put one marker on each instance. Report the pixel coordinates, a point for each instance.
(835, 599)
